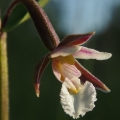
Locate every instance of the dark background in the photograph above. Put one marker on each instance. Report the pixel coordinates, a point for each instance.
(25, 49)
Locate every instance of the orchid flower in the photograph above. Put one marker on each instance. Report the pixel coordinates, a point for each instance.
(78, 92)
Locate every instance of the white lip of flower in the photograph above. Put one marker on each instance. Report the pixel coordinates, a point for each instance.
(76, 104)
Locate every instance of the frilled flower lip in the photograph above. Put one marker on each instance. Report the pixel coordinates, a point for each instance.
(80, 103)
(70, 46)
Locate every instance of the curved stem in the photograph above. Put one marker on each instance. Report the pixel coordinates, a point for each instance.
(8, 12)
(42, 24)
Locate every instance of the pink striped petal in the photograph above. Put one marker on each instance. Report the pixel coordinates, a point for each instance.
(70, 71)
(77, 39)
(62, 71)
(87, 53)
(87, 76)
(39, 71)
(64, 51)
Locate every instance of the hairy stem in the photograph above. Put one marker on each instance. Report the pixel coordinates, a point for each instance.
(4, 94)
(42, 24)
(8, 12)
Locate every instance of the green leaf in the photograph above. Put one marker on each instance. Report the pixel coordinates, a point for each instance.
(20, 15)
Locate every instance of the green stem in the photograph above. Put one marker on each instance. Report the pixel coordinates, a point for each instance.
(4, 94)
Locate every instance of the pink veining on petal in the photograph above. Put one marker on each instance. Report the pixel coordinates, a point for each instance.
(87, 76)
(87, 53)
(64, 70)
(76, 39)
(70, 71)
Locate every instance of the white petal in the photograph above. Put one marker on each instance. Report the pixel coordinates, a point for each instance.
(76, 82)
(80, 103)
(71, 85)
(64, 51)
(87, 53)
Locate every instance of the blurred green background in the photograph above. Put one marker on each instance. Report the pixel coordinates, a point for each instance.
(25, 50)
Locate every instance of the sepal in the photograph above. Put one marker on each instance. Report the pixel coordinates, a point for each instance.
(39, 71)
(87, 76)
(76, 39)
